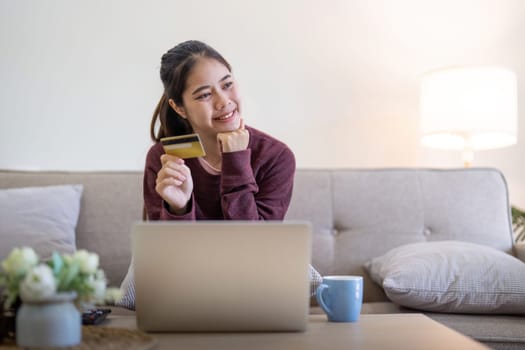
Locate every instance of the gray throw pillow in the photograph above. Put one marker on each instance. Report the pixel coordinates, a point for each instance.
(451, 276)
(43, 218)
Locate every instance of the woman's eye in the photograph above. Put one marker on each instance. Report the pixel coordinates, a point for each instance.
(203, 96)
(228, 85)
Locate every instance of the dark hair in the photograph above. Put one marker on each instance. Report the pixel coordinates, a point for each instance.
(176, 64)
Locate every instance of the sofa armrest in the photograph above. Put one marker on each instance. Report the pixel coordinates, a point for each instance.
(519, 251)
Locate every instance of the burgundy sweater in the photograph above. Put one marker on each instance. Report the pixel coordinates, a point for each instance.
(254, 184)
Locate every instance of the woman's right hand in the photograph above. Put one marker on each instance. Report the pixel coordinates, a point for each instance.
(174, 183)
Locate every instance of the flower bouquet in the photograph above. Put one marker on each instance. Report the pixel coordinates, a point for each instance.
(25, 279)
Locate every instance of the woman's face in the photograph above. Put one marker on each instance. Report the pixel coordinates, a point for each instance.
(211, 102)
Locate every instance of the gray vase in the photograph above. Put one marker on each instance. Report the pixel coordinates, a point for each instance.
(54, 322)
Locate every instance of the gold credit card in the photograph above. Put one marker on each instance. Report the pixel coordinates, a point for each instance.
(185, 146)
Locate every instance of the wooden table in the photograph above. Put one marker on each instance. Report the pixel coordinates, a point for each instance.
(372, 331)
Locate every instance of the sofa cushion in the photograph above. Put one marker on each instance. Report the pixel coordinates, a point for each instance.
(496, 331)
(43, 218)
(451, 276)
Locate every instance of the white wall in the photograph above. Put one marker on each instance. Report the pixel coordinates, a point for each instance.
(338, 80)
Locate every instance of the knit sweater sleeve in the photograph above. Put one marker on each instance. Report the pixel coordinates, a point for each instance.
(264, 195)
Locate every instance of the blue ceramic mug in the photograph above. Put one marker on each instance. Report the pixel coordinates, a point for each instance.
(341, 297)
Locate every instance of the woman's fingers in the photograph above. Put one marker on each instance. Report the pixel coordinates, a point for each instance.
(169, 181)
(235, 140)
(173, 172)
(165, 158)
(174, 165)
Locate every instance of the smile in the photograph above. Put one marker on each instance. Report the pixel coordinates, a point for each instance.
(226, 116)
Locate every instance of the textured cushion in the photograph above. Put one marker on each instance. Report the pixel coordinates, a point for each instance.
(128, 290)
(451, 276)
(43, 218)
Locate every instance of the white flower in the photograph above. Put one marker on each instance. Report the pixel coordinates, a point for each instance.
(98, 285)
(100, 290)
(21, 276)
(38, 284)
(113, 295)
(100, 275)
(87, 261)
(19, 261)
(67, 258)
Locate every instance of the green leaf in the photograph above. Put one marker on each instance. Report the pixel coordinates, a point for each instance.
(67, 276)
(57, 263)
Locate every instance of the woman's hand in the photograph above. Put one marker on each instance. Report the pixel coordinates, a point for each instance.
(174, 183)
(233, 141)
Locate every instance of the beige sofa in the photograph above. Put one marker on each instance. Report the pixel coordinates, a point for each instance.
(356, 215)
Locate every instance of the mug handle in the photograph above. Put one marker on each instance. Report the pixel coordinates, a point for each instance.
(319, 297)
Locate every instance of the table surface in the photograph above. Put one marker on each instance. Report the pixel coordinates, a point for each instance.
(372, 331)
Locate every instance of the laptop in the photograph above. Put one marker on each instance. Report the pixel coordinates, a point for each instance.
(221, 276)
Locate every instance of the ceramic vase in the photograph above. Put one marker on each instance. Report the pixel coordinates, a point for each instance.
(53, 322)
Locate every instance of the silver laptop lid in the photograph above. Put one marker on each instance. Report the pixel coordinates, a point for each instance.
(221, 275)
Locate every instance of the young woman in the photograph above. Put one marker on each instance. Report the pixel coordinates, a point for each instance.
(245, 174)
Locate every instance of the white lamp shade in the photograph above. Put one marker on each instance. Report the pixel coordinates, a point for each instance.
(470, 108)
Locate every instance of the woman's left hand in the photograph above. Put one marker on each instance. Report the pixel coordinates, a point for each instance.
(233, 141)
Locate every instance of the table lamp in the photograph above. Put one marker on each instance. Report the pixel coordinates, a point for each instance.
(469, 108)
